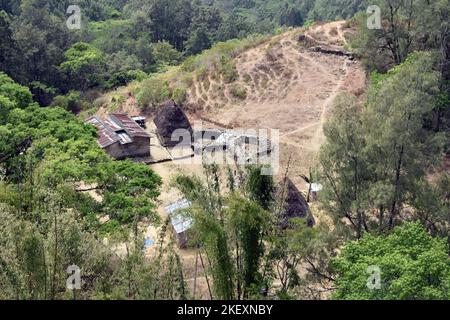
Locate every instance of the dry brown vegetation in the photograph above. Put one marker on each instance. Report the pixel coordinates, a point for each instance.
(288, 87)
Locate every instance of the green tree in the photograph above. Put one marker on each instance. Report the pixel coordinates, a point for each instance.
(165, 54)
(344, 165)
(7, 42)
(198, 41)
(407, 26)
(19, 95)
(130, 191)
(34, 257)
(336, 9)
(70, 102)
(41, 38)
(288, 249)
(12, 95)
(164, 20)
(290, 16)
(377, 157)
(248, 223)
(84, 66)
(397, 137)
(261, 188)
(230, 228)
(413, 265)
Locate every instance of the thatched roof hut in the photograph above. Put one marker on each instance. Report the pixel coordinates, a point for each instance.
(170, 118)
(295, 205)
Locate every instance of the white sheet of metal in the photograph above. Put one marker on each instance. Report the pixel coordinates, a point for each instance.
(316, 187)
(183, 204)
(180, 222)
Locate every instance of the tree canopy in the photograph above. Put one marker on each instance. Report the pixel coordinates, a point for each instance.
(413, 265)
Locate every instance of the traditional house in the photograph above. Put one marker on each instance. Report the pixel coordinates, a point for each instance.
(295, 205)
(121, 136)
(173, 127)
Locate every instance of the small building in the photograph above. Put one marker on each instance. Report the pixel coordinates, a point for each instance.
(295, 205)
(180, 222)
(121, 137)
(173, 126)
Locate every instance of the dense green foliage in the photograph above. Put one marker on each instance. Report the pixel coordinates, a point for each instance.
(409, 26)
(64, 201)
(64, 151)
(121, 41)
(381, 163)
(49, 222)
(337, 9)
(413, 264)
(377, 157)
(230, 229)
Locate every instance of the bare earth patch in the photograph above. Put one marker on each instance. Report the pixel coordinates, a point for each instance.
(289, 88)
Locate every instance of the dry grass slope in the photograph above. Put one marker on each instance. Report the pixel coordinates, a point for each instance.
(283, 85)
(277, 83)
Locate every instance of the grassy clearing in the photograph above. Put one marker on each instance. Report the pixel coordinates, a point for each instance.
(176, 81)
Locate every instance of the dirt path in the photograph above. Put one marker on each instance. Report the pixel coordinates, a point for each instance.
(318, 138)
(289, 88)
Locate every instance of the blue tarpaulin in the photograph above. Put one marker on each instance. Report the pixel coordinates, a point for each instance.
(148, 243)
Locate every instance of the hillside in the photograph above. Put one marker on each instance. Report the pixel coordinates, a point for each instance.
(287, 86)
(98, 202)
(282, 83)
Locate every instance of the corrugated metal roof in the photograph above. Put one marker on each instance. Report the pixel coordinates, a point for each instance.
(183, 204)
(129, 125)
(106, 136)
(117, 128)
(180, 222)
(124, 137)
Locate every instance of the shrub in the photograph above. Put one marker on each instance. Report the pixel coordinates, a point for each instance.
(117, 101)
(238, 92)
(165, 54)
(227, 68)
(153, 92)
(70, 102)
(122, 78)
(179, 95)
